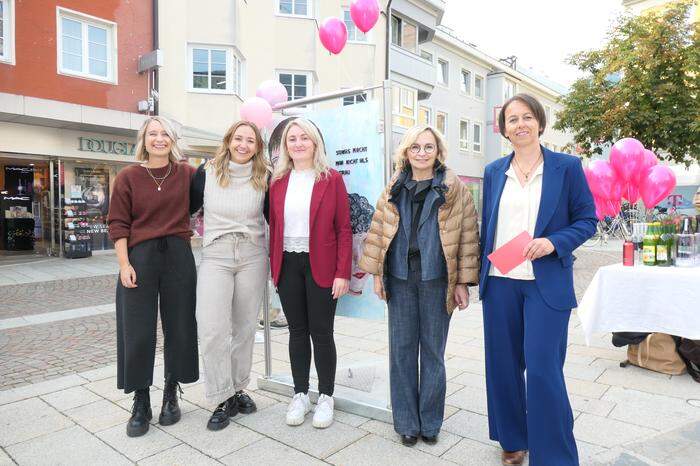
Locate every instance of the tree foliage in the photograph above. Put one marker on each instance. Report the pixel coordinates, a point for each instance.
(643, 83)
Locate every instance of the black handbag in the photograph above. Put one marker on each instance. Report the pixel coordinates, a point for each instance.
(621, 339)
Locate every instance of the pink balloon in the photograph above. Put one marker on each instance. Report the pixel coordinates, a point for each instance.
(626, 157)
(272, 91)
(257, 110)
(631, 191)
(364, 14)
(603, 180)
(612, 207)
(333, 34)
(658, 183)
(599, 207)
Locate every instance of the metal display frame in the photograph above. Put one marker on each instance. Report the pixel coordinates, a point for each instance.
(344, 399)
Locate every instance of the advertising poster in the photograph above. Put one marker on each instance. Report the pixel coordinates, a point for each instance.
(354, 146)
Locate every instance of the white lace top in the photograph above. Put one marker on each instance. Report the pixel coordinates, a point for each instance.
(297, 210)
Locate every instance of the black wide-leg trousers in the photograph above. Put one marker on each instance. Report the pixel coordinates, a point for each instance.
(166, 277)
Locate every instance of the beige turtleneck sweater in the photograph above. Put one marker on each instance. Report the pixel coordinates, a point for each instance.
(237, 208)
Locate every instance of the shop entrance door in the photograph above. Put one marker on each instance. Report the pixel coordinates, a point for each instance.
(25, 199)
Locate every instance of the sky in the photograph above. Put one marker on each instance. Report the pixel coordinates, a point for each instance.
(541, 33)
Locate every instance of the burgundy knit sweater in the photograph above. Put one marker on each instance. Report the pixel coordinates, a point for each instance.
(139, 212)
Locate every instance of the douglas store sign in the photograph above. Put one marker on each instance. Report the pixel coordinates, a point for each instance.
(106, 147)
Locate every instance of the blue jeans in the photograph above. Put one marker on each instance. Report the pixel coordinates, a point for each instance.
(418, 324)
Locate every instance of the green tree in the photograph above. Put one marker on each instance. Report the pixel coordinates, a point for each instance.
(643, 83)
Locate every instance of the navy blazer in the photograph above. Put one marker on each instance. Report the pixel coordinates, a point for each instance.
(566, 217)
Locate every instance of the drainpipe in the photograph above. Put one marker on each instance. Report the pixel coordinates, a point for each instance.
(387, 70)
(155, 47)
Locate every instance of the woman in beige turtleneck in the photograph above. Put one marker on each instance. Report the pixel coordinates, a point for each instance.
(232, 188)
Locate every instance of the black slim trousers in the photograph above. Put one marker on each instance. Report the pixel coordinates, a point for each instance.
(166, 277)
(310, 311)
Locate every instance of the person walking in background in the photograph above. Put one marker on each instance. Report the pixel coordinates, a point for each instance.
(150, 226)
(232, 188)
(526, 311)
(310, 258)
(423, 250)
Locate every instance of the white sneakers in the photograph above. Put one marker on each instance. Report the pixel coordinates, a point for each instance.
(300, 406)
(323, 415)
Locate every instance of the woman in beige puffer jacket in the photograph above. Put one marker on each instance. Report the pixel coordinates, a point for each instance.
(423, 250)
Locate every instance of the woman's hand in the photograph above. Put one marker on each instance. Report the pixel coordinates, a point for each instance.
(537, 248)
(127, 275)
(462, 296)
(340, 287)
(379, 288)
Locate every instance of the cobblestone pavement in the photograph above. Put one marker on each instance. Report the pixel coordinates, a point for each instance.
(56, 295)
(41, 352)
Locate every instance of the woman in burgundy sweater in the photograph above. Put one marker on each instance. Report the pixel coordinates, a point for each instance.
(149, 224)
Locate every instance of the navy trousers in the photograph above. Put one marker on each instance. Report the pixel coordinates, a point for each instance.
(418, 324)
(525, 343)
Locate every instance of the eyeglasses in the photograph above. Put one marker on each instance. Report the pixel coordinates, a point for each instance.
(428, 148)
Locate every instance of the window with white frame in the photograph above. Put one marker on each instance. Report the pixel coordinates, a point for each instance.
(465, 84)
(463, 135)
(476, 137)
(6, 31)
(354, 34)
(404, 106)
(441, 122)
(215, 69)
(508, 89)
(548, 115)
(355, 99)
(443, 69)
(424, 116)
(404, 34)
(298, 85)
(294, 7)
(86, 46)
(478, 86)
(426, 55)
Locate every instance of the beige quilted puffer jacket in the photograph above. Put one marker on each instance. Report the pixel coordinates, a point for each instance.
(459, 235)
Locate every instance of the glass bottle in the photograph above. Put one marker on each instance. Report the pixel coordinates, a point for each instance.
(649, 245)
(663, 253)
(685, 246)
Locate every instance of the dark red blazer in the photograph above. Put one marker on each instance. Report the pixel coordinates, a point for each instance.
(330, 235)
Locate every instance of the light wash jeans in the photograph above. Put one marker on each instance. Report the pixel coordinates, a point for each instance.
(230, 286)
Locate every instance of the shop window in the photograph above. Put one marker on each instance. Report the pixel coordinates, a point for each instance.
(215, 69)
(86, 46)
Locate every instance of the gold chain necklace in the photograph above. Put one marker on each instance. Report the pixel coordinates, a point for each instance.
(527, 174)
(159, 180)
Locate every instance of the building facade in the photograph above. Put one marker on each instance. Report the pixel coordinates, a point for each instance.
(216, 57)
(470, 90)
(69, 97)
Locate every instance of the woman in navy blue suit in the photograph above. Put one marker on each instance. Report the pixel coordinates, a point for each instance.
(526, 311)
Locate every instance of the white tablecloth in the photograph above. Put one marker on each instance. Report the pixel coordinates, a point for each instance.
(642, 299)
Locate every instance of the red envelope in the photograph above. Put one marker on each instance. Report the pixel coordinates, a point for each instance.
(510, 255)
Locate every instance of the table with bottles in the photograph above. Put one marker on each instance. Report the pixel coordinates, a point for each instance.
(655, 289)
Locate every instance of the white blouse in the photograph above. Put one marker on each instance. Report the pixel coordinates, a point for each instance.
(517, 212)
(297, 210)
